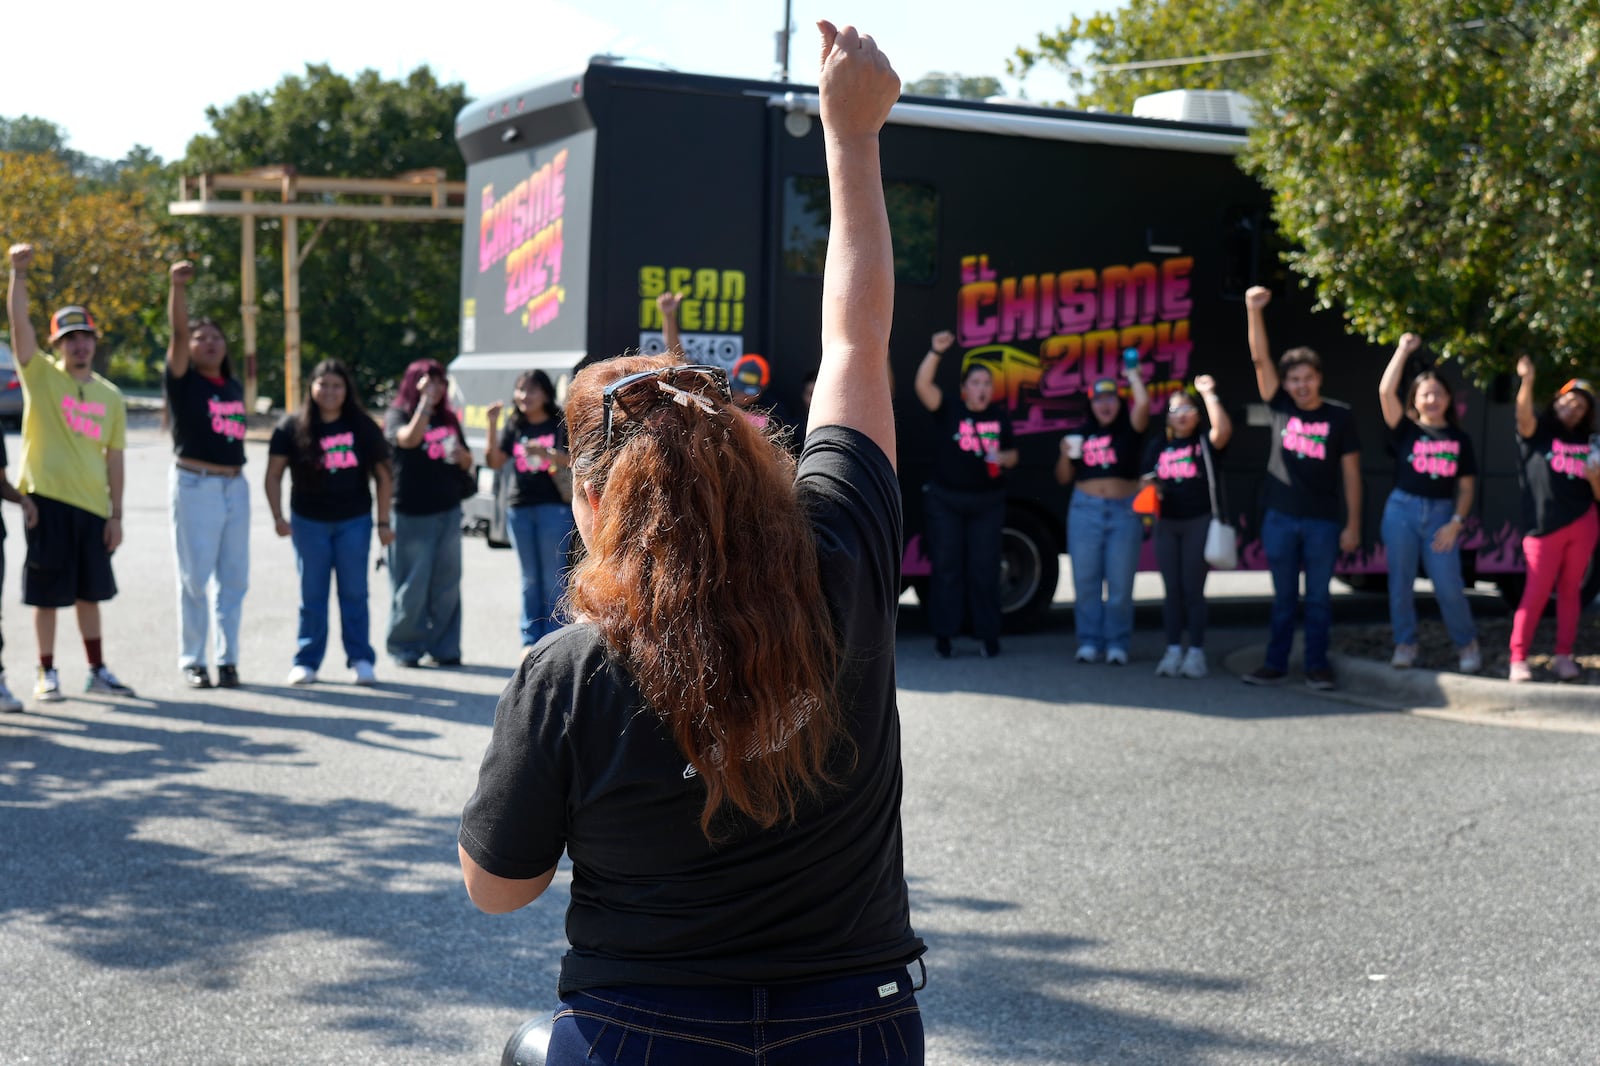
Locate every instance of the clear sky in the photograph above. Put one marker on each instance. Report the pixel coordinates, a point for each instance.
(115, 74)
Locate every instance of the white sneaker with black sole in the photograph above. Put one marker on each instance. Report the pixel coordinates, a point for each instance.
(103, 681)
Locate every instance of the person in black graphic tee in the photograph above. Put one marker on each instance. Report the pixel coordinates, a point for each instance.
(1435, 475)
(334, 452)
(964, 501)
(1104, 535)
(1315, 454)
(538, 516)
(1178, 466)
(1560, 475)
(209, 497)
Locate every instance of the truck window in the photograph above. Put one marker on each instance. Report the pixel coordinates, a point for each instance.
(913, 219)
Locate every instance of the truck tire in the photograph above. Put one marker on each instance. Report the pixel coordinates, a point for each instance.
(1030, 566)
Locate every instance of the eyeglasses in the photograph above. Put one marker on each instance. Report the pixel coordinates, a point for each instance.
(1184, 410)
(701, 377)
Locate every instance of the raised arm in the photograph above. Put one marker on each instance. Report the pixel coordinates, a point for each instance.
(1389, 385)
(1527, 421)
(668, 303)
(492, 455)
(1221, 424)
(857, 87)
(182, 273)
(1139, 410)
(1256, 300)
(925, 389)
(24, 342)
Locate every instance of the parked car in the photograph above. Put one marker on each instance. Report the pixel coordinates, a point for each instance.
(10, 391)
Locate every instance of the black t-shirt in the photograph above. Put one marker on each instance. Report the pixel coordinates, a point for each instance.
(577, 761)
(1180, 472)
(425, 480)
(1555, 492)
(331, 484)
(1429, 460)
(208, 418)
(1110, 451)
(964, 439)
(1304, 475)
(531, 481)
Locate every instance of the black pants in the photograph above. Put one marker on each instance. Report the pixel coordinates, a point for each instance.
(963, 533)
(1181, 555)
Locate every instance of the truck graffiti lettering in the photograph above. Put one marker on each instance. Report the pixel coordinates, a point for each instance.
(524, 228)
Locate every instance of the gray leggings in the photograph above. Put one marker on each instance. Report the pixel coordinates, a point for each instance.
(1181, 555)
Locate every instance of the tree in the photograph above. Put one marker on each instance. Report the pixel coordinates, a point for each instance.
(375, 295)
(1432, 161)
(955, 86)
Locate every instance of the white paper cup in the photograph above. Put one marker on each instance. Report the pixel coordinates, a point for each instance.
(1074, 445)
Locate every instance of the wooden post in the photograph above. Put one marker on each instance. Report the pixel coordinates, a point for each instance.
(248, 309)
(291, 303)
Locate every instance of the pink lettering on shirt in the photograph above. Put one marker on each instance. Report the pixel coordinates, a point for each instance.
(1568, 458)
(1435, 458)
(227, 418)
(1099, 452)
(435, 439)
(81, 416)
(1307, 440)
(980, 438)
(338, 452)
(1178, 464)
(528, 461)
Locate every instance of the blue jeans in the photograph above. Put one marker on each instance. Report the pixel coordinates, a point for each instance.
(1292, 545)
(540, 533)
(848, 1019)
(211, 538)
(324, 551)
(963, 532)
(425, 576)
(1104, 538)
(1409, 523)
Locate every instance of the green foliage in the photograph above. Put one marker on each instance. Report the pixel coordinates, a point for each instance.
(955, 86)
(374, 294)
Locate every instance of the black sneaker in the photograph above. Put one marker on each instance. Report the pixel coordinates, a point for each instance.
(196, 677)
(1263, 675)
(941, 647)
(991, 648)
(1321, 680)
(227, 676)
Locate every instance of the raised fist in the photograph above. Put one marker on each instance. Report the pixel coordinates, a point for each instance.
(1524, 367)
(182, 272)
(21, 256)
(1256, 297)
(943, 340)
(668, 303)
(1205, 385)
(1409, 342)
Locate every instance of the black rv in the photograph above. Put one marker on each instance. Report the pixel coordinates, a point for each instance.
(1048, 240)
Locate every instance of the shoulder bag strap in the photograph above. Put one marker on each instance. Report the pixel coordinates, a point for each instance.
(1211, 476)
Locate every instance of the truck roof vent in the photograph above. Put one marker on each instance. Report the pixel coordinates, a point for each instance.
(1213, 106)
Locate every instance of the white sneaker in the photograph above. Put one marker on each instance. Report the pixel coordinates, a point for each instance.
(1088, 653)
(47, 689)
(1471, 660)
(1404, 657)
(1194, 663)
(1168, 666)
(9, 704)
(103, 680)
(1117, 656)
(302, 675)
(364, 673)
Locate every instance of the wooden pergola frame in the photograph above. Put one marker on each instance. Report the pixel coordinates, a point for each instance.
(197, 196)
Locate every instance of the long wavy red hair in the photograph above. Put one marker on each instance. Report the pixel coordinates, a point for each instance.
(701, 572)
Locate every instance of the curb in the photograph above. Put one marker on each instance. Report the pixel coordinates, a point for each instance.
(1441, 694)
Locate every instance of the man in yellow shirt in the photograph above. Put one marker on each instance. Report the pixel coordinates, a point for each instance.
(74, 424)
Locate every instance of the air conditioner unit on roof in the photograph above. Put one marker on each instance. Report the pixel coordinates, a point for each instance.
(1216, 107)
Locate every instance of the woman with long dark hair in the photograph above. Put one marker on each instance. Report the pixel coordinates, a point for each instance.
(715, 740)
(1436, 473)
(430, 452)
(209, 498)
(1560, 477)
(538, 517)
(336, 456)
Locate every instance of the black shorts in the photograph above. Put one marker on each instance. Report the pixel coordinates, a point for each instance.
(67, 558)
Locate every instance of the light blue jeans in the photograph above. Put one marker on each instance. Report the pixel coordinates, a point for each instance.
(211, 538)
(1103, 538)
(1409, 523)
(540, 533)
(327, 551)
(425, 576)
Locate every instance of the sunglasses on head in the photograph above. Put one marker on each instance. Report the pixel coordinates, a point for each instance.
(683, 385)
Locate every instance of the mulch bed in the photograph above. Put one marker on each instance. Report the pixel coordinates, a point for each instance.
(1436, 652)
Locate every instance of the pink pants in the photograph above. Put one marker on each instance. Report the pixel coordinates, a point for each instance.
(1556, 562)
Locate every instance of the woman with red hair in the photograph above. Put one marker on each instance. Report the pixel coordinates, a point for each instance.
(714, 742)
(430, 451)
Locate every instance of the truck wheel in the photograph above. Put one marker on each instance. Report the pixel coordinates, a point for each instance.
(1030, 565)
(1378, 584)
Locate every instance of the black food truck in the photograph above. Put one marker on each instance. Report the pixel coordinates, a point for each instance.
(1050, 241)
